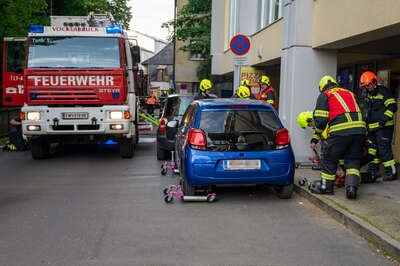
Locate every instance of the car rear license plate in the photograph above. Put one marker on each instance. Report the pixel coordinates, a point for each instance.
(242, 164)
(75, 115)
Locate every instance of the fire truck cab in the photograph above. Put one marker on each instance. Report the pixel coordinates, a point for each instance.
(79, 84)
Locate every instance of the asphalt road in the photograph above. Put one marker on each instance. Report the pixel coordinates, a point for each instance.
(88, 206)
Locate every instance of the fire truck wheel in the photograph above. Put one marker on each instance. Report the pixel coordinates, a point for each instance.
(39, 149)
(126, 148)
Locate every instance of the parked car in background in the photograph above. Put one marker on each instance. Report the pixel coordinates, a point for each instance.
(234, 141)
(174, 107)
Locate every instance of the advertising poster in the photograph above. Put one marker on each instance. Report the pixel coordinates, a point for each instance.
(253, 74)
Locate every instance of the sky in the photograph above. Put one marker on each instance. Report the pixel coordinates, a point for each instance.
(148, 15)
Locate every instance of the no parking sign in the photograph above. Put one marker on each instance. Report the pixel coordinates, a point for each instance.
(240, 44)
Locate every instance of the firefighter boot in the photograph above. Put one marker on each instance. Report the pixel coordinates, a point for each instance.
(322, 187)
(352, 181)
(390, 173)
(373, 170)
(351, 192)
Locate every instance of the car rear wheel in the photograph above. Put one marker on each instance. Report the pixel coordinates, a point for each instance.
(284, 192)
(161, 154)
(187, 188)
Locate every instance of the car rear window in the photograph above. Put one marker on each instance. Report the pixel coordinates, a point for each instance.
(239, 130)
(176, 106)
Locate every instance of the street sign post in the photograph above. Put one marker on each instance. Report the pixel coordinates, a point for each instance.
(240, 46)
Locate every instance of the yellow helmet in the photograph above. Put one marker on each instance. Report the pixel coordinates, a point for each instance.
(205, 85)
(243, 92)
(245, 82)
(304, 118)
(265, 80)
(325, 81)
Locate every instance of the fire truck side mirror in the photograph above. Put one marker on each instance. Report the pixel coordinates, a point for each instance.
(135, 52)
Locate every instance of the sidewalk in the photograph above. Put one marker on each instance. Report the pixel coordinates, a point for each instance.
(375, 214)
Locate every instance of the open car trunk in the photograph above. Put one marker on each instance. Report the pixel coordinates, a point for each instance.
(239, 130)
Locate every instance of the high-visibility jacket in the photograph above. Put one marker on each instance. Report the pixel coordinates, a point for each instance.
(381, 108)
(337, 108)
(269, 96)
(151, 100)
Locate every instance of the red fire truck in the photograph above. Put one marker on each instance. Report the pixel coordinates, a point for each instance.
(77, 83)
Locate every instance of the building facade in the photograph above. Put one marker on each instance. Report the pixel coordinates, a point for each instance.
(185, 64)
(296, 42)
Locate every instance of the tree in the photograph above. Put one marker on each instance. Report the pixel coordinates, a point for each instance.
(193, 22)
(17, 15)
(118, 8)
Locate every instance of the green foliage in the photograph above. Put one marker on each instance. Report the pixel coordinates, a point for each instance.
(121, 12)
(17, 15)
(118, 8)
(193, 22)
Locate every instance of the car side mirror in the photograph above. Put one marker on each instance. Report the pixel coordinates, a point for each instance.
(172, 123)
(135, 52)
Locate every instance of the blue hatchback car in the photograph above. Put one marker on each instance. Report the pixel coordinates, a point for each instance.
(234, 141)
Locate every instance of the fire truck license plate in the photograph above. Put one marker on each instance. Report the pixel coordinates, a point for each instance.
(75, 115)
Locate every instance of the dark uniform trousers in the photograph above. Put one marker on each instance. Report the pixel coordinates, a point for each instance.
(380, 147)
(339, 147)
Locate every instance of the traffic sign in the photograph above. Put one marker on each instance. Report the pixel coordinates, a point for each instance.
(240, 44)
(241, 60)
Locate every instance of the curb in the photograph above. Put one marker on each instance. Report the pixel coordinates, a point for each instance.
(355, 224)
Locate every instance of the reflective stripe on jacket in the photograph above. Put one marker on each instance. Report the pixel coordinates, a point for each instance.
(338, 108)
(381, 108)
(269, 96)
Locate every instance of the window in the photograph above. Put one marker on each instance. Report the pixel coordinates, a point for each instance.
(233, 18)
(176, 106)
(239, 130)
(188, 116)
(74, 52)
(268, 12)
(15, 56)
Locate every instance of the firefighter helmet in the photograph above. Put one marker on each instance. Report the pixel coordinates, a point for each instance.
(245, 82)
(265, 80)
(326, 80)
(304, 118)
(243, 92)
(368, 78)
(205, 85)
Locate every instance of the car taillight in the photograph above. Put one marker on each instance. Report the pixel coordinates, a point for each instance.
(197, 139)
(162, 125)
(282, 139)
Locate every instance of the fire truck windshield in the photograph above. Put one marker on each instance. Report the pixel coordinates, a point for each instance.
(73, 52)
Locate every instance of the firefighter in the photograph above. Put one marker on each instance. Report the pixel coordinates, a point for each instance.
(205, 85)
(243, 92)
(151, 102)
(337, 108)
(267, 92)
(305, 119)
(381, 108)
(245, 82)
